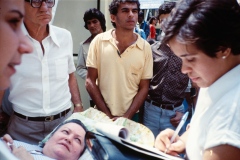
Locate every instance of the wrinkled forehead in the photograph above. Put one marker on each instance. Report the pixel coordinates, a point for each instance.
(76, 128)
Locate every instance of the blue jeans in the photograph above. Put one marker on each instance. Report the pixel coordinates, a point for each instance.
(158, 119)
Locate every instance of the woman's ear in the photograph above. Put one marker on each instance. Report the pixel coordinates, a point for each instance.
(223, 52)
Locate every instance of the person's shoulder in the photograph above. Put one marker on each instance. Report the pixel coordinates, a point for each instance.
(140, 41)
(88, 40)
(156, 44)
(104, 36)
(160, 48)
(57, 29)
(107, 34)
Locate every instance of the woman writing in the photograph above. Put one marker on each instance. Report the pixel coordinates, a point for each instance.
(206, 36)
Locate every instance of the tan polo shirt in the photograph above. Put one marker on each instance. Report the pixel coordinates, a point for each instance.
(119, 76)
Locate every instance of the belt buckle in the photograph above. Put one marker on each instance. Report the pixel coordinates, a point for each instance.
(64, 113)
(162, 106)
(49, 118)
(167, 106)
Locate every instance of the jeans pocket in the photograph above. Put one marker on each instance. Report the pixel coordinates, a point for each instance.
(169, 113)
(179, 109)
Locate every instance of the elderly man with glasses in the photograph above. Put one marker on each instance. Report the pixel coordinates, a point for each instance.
(44, 87)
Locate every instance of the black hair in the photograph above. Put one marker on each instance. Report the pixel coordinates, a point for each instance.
(141, 14)
(151, 19)
(94, 13)
(166, 8)
(210, 25)
(113, 7)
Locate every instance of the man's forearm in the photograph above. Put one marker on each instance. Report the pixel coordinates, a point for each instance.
(73, 86)
(97, 97)
(138, 99)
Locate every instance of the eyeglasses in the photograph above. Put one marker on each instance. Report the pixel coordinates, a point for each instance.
(38, 3)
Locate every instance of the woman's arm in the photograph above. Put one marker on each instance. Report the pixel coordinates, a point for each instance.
(222, 152)
(20, 152)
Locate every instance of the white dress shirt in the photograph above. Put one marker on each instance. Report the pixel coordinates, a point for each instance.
(40, 85)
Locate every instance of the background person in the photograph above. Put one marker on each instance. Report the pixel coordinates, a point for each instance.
(140, 32)
(94, 22)
(143, 24)
(164, 11)
(44, 87)
(164, 105)
(152, 24)
(211, 58)
(121, 63)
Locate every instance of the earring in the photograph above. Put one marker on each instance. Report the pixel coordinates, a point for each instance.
(223, 57)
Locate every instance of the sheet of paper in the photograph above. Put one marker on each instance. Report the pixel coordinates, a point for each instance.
(112, 131)
(148, 150)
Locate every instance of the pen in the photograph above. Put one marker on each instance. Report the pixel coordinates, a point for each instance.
(180, 125)
(118, 53)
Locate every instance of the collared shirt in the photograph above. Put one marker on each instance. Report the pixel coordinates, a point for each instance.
(119, 75)
(82, 57)
(216, 119)
(168, 84)
(40, 85)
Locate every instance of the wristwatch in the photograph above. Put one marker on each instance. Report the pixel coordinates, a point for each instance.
(78, 105)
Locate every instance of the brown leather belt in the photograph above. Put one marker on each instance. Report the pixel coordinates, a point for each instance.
(47, 118)
(163, 106)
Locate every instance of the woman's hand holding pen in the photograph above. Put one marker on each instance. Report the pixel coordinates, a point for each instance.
(163, 143)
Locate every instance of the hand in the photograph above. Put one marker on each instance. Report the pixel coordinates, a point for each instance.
(21, 153)
(115, 118)
(8, 140)
(176, 120)
(78, 109)
(163, 142)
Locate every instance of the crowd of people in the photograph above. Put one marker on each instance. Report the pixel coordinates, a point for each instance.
(126, 74)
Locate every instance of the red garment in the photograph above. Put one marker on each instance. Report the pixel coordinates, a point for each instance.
(152, 34)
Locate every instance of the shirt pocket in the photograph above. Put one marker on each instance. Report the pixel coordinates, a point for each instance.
(61, 68)
(134, 74)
